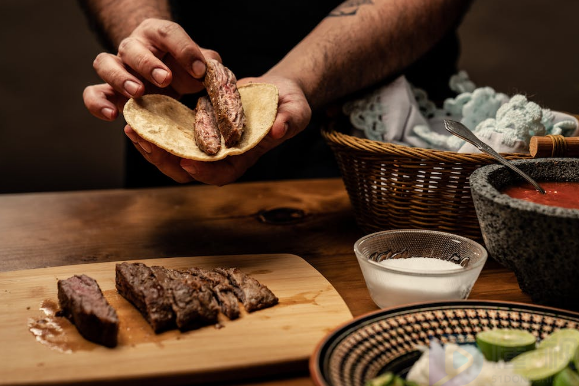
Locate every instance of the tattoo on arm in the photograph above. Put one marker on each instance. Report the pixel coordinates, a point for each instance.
(349, 8)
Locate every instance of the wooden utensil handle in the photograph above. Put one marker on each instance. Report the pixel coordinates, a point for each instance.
(554, 146)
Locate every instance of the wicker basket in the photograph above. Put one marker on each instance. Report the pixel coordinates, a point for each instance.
(401, 187)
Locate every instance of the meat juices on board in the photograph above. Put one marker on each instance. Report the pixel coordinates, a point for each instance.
(221, 86)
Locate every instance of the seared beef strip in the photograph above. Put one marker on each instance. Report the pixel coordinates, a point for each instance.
(137, 283)
(191, 299)
(251, 292)
(82, 302)
(207, 135)
(221, 86)
(222, 290)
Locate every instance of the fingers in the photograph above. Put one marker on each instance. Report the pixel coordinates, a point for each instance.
(290, 120)
(183, 82)
(210, 54)
(228, 170)
(170, 37)
(217, 173)
(185, 170)
(138, 56)
(167, 163)
(158, 53)
(102, 101)
(111, 69)
(280, 128)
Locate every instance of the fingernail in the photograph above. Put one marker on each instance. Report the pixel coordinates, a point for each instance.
(146, 146)
(131, 87)
(198, 68)
(159, 75)
(284, 130)
(108, 113)
(189, 167)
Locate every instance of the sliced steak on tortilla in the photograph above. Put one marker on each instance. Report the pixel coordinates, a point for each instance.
(169, 124)
(83, 303)
(207, 136)
(221, 86)
(251, 292)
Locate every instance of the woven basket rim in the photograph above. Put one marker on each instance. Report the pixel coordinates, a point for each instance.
(385, 148)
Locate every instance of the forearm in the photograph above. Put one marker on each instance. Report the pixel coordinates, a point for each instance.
(363, 42)
(114, 20)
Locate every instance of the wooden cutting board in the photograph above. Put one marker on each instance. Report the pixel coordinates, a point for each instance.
(278, 339)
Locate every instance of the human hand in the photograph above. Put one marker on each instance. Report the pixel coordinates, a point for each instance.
(293, 115)
(158, 57)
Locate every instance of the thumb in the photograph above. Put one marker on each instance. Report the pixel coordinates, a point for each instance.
(279, 129)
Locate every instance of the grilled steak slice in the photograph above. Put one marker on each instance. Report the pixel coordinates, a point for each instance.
(222, 289)
(191, 299)
(251, 292)
(82, 302)
(207, 135)
(137, 283)
(221, 86)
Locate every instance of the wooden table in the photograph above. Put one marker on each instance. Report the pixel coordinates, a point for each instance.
(54, 229)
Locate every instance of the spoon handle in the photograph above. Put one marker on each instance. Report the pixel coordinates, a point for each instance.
(503, 161)
(461, 131)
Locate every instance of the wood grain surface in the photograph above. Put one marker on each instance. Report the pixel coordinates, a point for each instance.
(63, 228)
(282, 336)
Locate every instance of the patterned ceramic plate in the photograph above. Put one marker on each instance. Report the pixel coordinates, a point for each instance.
(386, 340)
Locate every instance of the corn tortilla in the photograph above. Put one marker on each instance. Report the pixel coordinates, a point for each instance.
(169, 124)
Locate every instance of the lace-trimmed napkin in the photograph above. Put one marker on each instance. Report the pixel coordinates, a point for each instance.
(401, 114)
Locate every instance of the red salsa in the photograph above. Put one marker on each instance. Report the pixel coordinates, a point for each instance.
(562, 194)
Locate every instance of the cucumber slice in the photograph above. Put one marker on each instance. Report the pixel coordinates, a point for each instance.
(542, 364)
(504, 344)
(567, 377)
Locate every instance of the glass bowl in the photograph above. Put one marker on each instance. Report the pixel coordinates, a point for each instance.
(410, 266)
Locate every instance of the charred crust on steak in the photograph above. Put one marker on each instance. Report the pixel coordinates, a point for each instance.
(221, 86)
(222, 290)
(190, 297)
(83, 303)
(137, 283)
(253, 294)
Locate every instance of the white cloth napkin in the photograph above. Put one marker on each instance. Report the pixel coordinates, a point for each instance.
(400, 114)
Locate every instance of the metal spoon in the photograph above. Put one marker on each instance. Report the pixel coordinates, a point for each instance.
(461, 131)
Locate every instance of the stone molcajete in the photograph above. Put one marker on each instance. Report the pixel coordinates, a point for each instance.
(539, 243)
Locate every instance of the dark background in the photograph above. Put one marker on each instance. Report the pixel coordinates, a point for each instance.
(49, 142)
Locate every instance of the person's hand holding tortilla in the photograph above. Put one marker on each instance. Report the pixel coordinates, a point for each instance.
(158, 57)
(273, 105)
